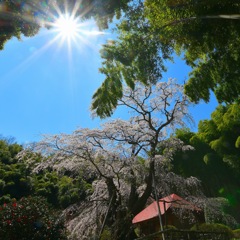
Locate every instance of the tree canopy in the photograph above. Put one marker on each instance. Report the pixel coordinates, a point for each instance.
(203, 162)
(136, 55)
(216, 154)
(208, 34)
(222, 133)
(205, 33)
(17, 179)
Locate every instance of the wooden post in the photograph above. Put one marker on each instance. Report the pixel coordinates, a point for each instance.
(159, 212)
(105, 218)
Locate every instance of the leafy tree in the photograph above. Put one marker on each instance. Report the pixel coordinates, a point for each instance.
(222, 133)
(115, 154)
(136, 56)
(216, 155)
(28, 16)
(207, 32)
(8, 151)
(14, 179)
(17, 180)
(203, 162)
(60, 191)
(21, 17)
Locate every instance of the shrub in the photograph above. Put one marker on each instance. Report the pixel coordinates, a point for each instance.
(213, 227)
(236, 233)
(106, 235)
(30, 219)
(169, 227)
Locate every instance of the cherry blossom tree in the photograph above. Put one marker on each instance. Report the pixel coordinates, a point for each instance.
(123, 154)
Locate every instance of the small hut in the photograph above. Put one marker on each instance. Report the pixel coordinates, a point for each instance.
(170, 208)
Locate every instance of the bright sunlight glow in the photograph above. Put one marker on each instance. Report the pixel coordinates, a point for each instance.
(67, 26)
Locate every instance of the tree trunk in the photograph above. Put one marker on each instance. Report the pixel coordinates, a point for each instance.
(123, 227)
(140, 203)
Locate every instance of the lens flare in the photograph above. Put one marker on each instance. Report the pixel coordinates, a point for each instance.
(67, 26)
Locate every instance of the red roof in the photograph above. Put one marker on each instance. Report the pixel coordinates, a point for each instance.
(172, 200)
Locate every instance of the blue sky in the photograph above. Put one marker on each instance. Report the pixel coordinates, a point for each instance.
(46, 88)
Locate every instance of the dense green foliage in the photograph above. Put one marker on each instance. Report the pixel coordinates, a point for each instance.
(60, 191)
(236, 233)
(208, 33)
(14, 180)
(137, 55)
(21, 17)
(204, 162)
(17, 180)
(215, 160)
(213, 228)
(222, 133)
(30, 218)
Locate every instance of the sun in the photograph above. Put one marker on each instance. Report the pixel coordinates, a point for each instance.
(67, 26)
(70, 30)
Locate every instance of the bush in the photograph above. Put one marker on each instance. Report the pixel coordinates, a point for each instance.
(106, 235)
(30, 219)
(213, 227)
(236, 233)
(169, 227)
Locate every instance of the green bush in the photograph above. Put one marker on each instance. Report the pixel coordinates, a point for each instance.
(213, 227)
(106, 235)
(236, 233)
(30, 219)
(169, 227)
